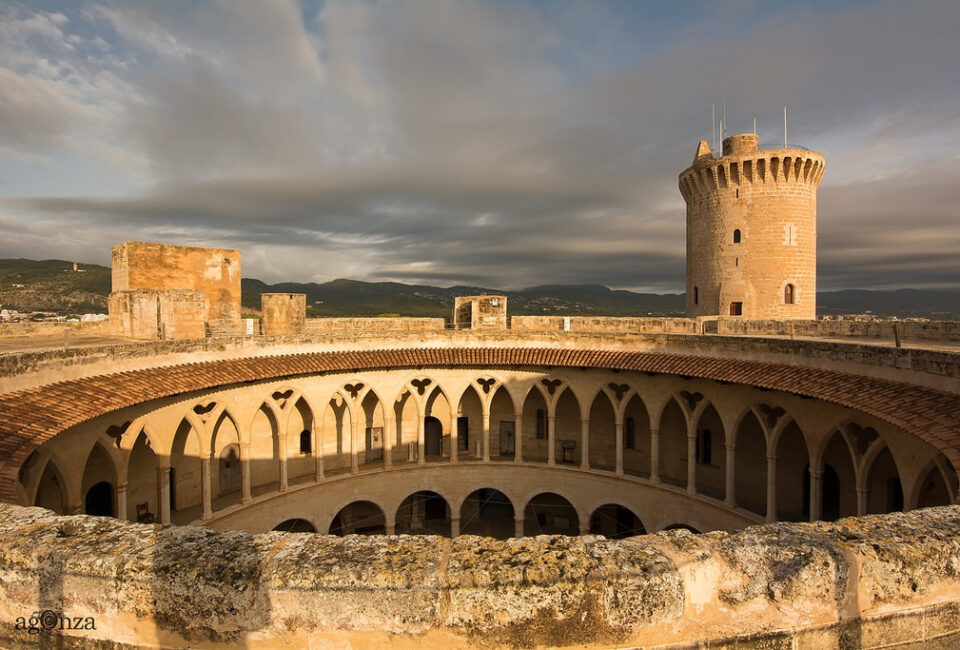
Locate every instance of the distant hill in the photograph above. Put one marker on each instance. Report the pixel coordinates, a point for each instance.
(53, 285)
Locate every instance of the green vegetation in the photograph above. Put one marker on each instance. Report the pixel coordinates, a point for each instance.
(53, 286)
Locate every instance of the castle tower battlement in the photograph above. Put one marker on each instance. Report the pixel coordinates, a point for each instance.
(752, 230)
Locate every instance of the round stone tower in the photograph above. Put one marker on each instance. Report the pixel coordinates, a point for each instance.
(752, 230)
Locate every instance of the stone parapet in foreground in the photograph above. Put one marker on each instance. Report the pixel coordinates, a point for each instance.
(862, 582)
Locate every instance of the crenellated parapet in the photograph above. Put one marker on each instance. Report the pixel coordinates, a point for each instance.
(744, 166)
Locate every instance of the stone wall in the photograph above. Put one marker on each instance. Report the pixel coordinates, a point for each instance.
(933, 368)
(373, 324)
(605, 324)
(158, 315)
(947, 331)
(283, 313)
(52, 328)
(866, 583)
(480, 312)
(159, 267)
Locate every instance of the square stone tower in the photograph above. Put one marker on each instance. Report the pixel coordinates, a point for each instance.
(480, 312)
(164, 291)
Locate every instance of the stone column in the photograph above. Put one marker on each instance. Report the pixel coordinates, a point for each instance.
(163, 493)
(730, 499)
(518, 527)
(585, 443)
(282, 450)
(122, 502)
(518, 436)
(771, 488)
(654, 455)
(551, 440)
(354, 457)
(816, 492)
(454, 526)
(618, 441)
(389, 435)
(584, 525)
(861, 501)
(205, 494)
(318, 455)
(692, 460)
(454, 436)
(486, 433)
(245, 474)
(421, 440)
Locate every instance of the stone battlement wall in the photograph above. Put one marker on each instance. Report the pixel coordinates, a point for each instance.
(51, 328)
(374, 324)
(606, 324)
(945, 331)
(933, 368)
(862, 582)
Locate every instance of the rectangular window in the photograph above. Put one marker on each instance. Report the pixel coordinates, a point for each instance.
(736, 308)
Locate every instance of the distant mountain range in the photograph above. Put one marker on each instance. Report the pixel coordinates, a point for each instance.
(53, 285)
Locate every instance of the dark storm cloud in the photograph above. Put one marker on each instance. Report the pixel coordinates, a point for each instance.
(502, 144)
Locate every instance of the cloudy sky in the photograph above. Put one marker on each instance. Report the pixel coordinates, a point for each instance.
(496, 143)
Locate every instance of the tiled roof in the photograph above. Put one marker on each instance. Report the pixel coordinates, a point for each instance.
(28, 418)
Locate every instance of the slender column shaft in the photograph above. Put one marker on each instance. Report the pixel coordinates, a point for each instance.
(731, 476)
(585, 444)
(518, 527)
(861, 501)
(354, 451)
(816, 490)
(245, 473)
(618, 444)
(692, 462)
(122, 502)
(454, 526)
(421, 443)
(454, 437)
(518, 437)
(282, 450)
(318, 454)
(389, 435)
(486, 435)
(771, 488)
(551, 441)
(654, 455)
(205, 493)
(163, 493)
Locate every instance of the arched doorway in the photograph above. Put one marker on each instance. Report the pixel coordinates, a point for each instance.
(885, 493)
(673, 445)
(550, 514)
(838, 494)
(615, 522)
(50, 489)
(423, 513)
(432, 437)
(793, 478)
(750, 465)
(295, 526)
(230, 469)
(99, 500)
(488, 513)
(359, 518)
(99, 477)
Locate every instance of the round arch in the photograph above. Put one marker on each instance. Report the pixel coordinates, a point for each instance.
(615, 521)
(549, 513)
(359, 517)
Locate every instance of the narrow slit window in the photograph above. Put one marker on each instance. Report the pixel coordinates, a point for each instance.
(696, 295)
(736, 236)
